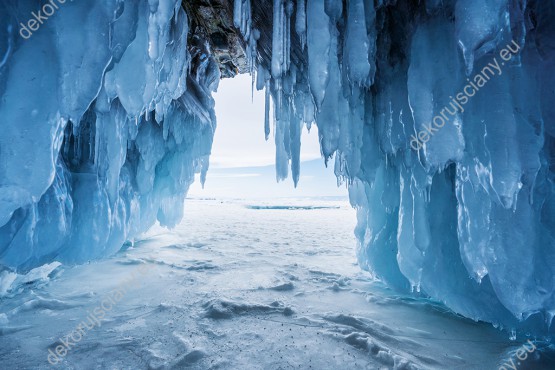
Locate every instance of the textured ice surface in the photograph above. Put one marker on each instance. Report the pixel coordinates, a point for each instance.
(106, 115)
(281, 292)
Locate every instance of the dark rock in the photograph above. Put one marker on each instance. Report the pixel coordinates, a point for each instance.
(212, 20)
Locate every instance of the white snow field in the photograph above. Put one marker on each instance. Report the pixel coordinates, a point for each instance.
(237, 285)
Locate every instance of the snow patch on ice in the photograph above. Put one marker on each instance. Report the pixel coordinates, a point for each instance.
(220, 308)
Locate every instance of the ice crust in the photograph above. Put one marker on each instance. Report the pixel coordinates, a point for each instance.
(106, 115)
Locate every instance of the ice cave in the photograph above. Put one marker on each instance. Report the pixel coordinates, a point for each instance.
(423, 125)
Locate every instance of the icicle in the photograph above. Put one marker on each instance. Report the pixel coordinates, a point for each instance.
(242, 17)
(248, 20)
(287, 37)
(237, 13)
(300, 22)
(267, 111)
(356, 44)
(261, 77)
(278, 39)
(278, 88)
(251, 55)
(282, 144)
(295, 130)
(319, 43)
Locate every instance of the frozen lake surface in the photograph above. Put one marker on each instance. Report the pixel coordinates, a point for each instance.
(238, 285)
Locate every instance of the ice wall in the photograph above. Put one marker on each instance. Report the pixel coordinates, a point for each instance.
(460, 208)
(106, 114)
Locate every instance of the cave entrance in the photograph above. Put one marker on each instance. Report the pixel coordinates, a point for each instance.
(242, 161)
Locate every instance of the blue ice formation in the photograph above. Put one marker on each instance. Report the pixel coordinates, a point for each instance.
(106, 114)
(468, 218)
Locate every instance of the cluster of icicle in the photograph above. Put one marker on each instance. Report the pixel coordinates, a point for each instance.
(468, 218)
(106, 115)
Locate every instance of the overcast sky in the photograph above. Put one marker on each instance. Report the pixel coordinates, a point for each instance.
(239, 139)
(240, 155)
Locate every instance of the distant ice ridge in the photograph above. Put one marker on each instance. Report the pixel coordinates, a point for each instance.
(106, 115)
(470, 218)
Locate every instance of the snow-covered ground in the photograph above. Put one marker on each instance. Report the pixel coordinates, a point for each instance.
(238, 285)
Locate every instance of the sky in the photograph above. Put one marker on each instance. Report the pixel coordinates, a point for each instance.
(239, 139)
(241, 164)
